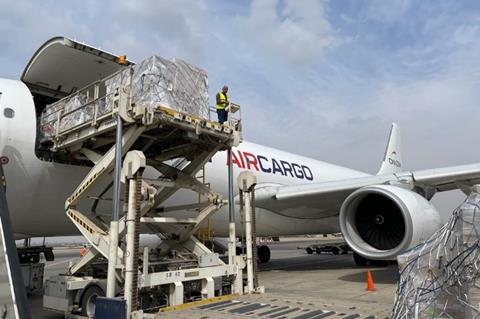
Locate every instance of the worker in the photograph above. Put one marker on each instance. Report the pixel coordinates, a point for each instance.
(222, 103)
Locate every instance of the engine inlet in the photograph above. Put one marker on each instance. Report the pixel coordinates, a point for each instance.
(379, 222)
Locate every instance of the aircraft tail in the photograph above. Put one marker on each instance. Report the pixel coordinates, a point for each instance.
(392, 161)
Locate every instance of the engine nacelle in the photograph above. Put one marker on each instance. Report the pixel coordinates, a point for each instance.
(382, 221)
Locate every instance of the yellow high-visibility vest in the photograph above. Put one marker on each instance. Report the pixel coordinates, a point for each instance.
(223, 101)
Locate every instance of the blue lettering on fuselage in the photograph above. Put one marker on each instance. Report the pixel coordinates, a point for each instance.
(308, 173)
(297, 170)
(276, 167)
(260, 162)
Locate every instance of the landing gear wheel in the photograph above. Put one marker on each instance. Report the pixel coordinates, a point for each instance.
(335, 250)
(309, 250)
(88, 300)
(359, 260)
(263, 253)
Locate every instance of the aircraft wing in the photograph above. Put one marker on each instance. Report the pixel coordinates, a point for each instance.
(448, 178)
(326, 198)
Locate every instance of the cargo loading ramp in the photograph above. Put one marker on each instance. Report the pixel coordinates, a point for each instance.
(177, 144)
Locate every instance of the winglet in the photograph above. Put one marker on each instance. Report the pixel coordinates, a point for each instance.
(392, 161)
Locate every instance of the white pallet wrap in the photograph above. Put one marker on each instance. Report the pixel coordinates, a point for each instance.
(440, 278)
(50, 117)
(79, 112)
(155, 82)
(172, 83)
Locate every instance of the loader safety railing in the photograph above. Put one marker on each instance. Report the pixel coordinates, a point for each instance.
(92, 111)
(87, 107)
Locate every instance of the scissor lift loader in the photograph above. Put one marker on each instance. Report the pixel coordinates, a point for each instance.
(177, 145)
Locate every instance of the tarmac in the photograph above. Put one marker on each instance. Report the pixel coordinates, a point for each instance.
(297, 286)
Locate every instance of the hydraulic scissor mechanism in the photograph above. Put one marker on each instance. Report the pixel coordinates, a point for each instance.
(163, 151)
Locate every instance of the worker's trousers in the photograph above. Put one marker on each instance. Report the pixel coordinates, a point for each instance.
(222, 116)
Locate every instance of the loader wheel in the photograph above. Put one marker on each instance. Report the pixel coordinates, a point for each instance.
(89, 298)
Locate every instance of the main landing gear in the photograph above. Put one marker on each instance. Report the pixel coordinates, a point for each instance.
(263, 253)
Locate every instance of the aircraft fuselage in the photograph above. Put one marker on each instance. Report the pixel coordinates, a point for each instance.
(37, 189)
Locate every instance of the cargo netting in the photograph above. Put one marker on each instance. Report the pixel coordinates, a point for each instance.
(440, 278)
(154, 82)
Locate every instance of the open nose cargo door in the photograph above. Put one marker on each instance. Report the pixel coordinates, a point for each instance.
(61, 66)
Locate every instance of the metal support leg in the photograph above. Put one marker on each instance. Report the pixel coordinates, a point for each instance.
(208, 288)
(130, 264)
(117, 171)
(231, 212)
(176, 294)
(237, 285)
(247, 181)
(249, 243)
(131, 173)
(112, 260)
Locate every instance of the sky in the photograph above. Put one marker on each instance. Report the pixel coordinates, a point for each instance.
(324, 79)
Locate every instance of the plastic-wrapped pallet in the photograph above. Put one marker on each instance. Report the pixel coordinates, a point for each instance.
(440, 278)
(160, 82)
(49, 118)
(171, 83)
(155, 82)
(78, 111)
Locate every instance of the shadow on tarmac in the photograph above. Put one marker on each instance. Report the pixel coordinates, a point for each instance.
(36, 302)
(310, 262)
(387, 275)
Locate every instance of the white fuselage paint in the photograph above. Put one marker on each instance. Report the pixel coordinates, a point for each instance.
(36, 190)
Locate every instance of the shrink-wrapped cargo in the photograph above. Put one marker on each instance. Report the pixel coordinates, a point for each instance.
(172, 83)
(76, 112)
(154, 82)
(440, 278)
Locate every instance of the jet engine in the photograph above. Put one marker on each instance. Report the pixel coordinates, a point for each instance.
(380, 222)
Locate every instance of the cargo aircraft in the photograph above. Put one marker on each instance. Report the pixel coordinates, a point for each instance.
(380, 216)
